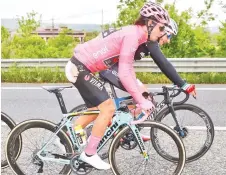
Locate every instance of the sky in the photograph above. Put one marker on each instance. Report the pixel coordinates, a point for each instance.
(85, 11)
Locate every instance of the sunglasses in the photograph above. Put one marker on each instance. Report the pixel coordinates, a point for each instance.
(169, 36)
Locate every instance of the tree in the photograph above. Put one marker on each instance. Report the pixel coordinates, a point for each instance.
(24, 44)
(62, 45)
(221, 40)
(91, 35)
(5, 43)
(204, 14)
(4, 34)
(129, 11)
(190, 38)
(223, 5)
(32, 46)
(28, 24)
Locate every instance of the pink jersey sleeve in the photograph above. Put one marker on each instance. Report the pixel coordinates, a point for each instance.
(126, 71)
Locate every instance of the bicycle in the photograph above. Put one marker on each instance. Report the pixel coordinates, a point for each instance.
(7, 123)
(122, 123)
(165, 107)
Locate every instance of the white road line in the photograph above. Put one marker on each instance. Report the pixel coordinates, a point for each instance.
(216, 128)
(39, 88)
(3, 124)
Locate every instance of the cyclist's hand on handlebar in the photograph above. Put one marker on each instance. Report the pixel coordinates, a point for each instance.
(148, 96)
(147, 105)
(190, 88)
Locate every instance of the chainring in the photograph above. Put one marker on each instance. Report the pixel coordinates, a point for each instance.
(79, 167)
(128, 142)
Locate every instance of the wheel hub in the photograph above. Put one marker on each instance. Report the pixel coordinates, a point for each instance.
(183, 133)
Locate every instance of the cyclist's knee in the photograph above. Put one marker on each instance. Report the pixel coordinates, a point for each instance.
(107, 107)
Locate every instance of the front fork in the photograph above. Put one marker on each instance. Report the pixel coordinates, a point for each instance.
(140, 141)
(178, 127)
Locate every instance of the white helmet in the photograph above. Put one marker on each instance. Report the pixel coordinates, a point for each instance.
(172, 28)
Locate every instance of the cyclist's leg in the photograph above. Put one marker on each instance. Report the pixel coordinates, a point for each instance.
(94, 94)
(96, 97)
(84, 120)
(72, 72)
(107, 109)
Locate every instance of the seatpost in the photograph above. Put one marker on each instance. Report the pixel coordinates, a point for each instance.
(61, 102)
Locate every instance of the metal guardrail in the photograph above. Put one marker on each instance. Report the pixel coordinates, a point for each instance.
(145, 65)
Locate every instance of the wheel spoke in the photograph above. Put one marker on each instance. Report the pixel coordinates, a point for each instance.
(189, 115)
(42, 130)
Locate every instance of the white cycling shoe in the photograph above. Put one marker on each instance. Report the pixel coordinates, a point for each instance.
(95, 161)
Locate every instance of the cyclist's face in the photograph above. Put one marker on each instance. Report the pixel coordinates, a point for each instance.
(157, 31)
(165, 39)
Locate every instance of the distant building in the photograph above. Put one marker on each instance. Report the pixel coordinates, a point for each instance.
(47, 33)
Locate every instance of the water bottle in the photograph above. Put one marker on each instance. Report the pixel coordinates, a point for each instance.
(81, 135)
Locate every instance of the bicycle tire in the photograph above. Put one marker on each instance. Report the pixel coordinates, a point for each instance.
(35, 123)
(11, 124)
(206, 145)
(152, 124)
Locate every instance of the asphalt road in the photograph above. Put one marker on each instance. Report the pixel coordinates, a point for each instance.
(22, 101)
(26, 101)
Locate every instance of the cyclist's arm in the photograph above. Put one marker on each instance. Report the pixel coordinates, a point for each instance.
(126, 71)
(165, 66)
(142, 87)
(141, 52)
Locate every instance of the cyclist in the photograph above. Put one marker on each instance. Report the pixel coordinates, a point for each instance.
(112, 73)
(101, 53)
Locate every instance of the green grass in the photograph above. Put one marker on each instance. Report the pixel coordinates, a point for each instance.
(195, 78)
(33, 75)
(55, 75)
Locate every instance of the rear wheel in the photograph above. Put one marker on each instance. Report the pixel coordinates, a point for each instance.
(7, 124)
(28, 162)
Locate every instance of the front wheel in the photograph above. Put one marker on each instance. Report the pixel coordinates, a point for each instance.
(133, 162)
(197, 131)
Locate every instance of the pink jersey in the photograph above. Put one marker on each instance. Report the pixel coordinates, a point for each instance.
(113, 46)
